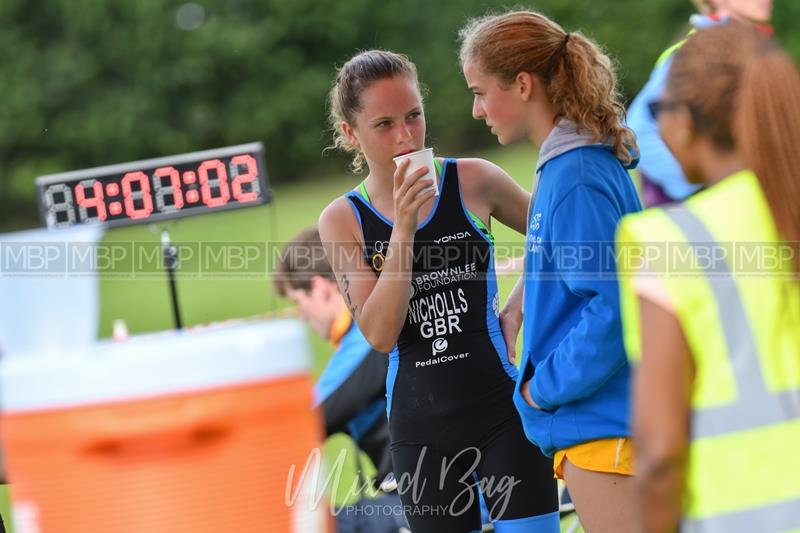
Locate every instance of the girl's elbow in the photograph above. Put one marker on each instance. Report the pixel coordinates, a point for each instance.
(379, 341)
(383, 347)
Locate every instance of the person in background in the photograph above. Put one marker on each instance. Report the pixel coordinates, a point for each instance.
(532, 80)
(661, 177)
(351, 392)
(712, 317)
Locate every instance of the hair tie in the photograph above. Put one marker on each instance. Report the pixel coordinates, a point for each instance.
(563, 48)
(557, 57)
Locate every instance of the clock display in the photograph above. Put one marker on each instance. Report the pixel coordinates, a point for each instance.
(156, 189)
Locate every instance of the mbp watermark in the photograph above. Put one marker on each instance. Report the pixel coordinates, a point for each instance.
(433, 265)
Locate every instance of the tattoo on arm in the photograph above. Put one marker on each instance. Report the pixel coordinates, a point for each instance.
(347, 298)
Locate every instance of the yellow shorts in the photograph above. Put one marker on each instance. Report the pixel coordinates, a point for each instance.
(614, 456)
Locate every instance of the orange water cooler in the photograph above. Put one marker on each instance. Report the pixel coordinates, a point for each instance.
(191, 432)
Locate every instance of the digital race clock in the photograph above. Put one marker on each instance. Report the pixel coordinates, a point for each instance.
(156, 189)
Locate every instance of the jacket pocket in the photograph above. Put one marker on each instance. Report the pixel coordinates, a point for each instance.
(537, 424)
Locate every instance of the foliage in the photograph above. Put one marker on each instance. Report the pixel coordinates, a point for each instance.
(94, 82)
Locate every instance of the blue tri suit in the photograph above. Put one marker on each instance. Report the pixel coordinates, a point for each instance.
(449, 386)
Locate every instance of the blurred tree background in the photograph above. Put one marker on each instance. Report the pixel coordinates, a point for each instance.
(94, 82)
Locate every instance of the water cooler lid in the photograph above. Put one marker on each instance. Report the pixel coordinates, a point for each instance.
(154, 365)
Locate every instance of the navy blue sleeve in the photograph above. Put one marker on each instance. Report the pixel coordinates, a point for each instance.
(583, 226)
(359, 391)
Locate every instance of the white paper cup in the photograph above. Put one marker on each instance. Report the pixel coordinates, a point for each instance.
(419, 159)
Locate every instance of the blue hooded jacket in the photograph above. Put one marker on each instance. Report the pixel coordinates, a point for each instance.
(573, 352)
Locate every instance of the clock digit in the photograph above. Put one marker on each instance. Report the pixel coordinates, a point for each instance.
(142, 194)
(221, 182)
(248, 177)
(96, 200)
(161, 190)
(55, 208)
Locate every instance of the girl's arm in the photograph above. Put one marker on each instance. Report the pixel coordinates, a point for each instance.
(378, 305)
(662, 387)
(505, 200)
(582, 231)
(497, 192)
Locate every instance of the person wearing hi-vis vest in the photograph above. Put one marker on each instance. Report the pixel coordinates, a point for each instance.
(711, 296)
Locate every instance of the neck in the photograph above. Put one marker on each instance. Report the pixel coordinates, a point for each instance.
(379, 183)
(717, 165)
(541, 122)
(339, 325)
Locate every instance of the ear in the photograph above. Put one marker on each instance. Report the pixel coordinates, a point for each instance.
(526, 85)
(350, 134)
(321, 286)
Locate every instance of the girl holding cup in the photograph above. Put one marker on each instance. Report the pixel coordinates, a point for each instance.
(415, 266)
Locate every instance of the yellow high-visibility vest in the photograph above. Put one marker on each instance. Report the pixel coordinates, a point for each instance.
(731, 281)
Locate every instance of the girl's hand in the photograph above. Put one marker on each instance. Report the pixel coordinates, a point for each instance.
(410, 192)
(526, 393)
(510, 324)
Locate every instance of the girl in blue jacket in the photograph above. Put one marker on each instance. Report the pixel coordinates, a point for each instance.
(532, 80)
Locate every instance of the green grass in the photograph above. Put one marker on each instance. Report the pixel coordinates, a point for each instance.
(5, 507)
